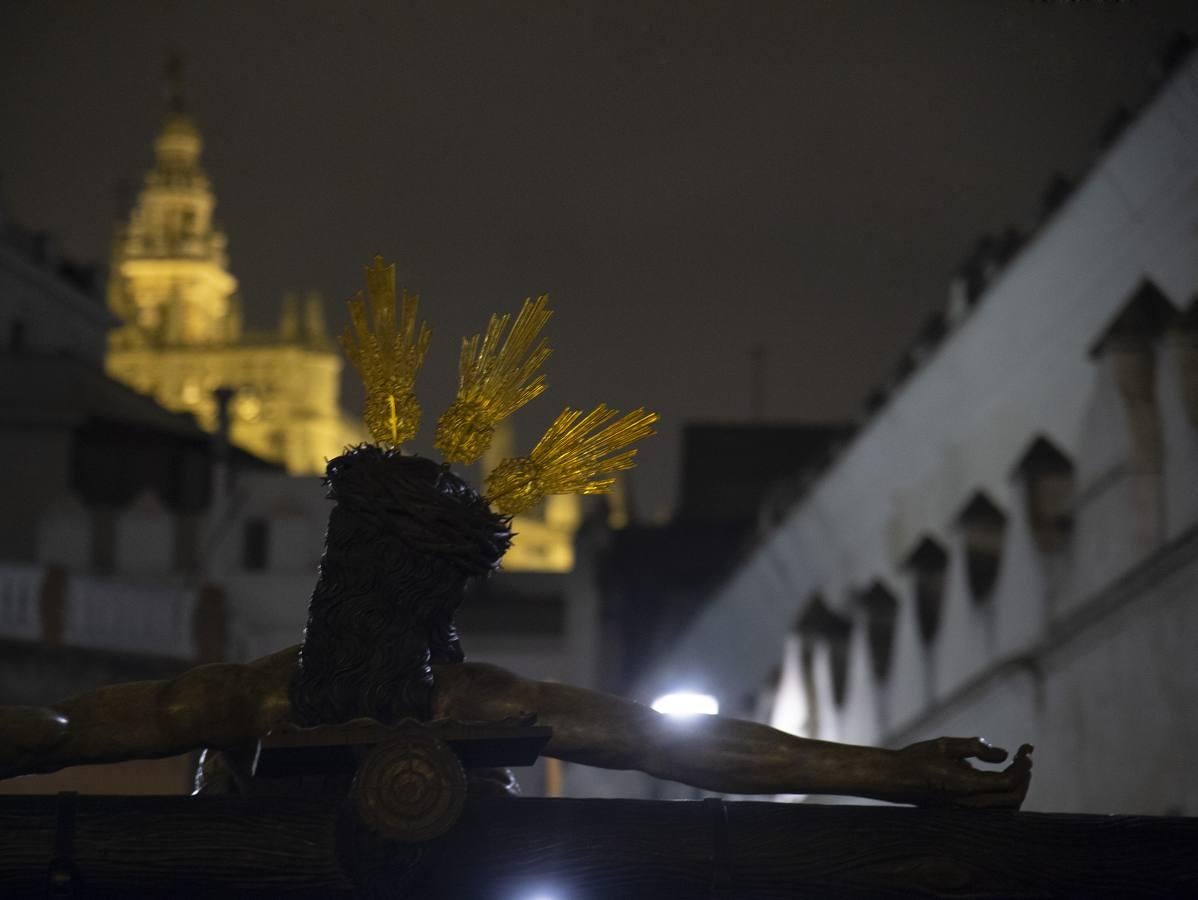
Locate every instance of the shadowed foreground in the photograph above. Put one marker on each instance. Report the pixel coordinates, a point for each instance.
(209, 846)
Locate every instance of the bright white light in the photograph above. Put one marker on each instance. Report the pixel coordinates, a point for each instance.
(537, 892)
(685, 703)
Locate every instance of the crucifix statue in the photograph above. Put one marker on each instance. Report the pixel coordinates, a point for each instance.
(406, 538)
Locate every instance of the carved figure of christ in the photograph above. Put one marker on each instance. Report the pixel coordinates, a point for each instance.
(405, 538)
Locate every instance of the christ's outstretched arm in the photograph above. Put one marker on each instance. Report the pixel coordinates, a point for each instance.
(221, 705)
(226, 705)
(726, 755)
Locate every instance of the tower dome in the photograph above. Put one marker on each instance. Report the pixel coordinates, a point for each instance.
(178, 145)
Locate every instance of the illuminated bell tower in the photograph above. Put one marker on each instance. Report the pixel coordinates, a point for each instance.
(172, 286)
(181, 334)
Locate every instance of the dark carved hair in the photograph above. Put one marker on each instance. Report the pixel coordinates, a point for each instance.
(404, 538)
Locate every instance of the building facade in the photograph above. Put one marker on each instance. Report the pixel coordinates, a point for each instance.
(181, 333)
(134, 544)
(180, 336)
(103, 535)
(1009, 544)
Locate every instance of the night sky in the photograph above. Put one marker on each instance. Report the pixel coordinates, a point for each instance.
(684, 179)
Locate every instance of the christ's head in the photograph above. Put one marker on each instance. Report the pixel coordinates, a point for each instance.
(404, 538)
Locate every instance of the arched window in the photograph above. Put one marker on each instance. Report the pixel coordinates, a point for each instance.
(819, 623)
(807, 671)
(1128, 344)
(928, 564)
(983, 526)
(255, 545)
(881, 611)
(761, 705)
(1048, 485)
(1185, 333)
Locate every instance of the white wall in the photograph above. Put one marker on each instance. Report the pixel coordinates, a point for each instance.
(1017, 367)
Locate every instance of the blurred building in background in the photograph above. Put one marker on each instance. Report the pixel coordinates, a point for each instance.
(1009, 544)
(637, 585)
(180, 334)
(167, 512)
(651, 579)
(134, 544)
(107, 503)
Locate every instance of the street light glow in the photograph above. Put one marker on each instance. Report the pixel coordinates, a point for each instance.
(687, 703)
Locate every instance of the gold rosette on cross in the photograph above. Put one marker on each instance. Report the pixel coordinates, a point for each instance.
(388, 357)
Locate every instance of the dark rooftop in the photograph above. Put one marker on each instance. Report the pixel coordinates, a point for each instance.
(728, 470)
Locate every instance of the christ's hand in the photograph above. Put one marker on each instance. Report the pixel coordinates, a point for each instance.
(940, 774)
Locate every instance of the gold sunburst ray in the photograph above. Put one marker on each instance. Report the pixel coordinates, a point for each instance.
(497, 376)
(388, 355)
(578, 454)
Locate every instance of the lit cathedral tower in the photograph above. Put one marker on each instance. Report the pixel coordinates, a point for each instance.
(181, 333)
